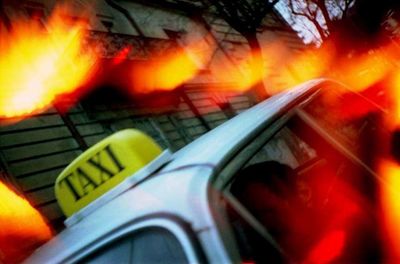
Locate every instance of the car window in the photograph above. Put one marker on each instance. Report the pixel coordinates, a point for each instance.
(309, 193)
(150, 245)
(286, 148)
(352, 119)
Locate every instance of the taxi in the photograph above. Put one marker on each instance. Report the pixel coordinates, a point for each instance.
(128, 201)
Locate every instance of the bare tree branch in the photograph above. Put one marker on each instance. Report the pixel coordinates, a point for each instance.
(243, 15)
(297, 13)
(309, 11)
(347, 4)
(246, 16)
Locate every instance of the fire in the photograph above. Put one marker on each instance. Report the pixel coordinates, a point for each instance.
(122, 55)
(23, 228)
(393, 119)
(170, 70)
(39, 66)
(305, 66)
(333, 216)
(365, 70)
(241, 77)
(390, 202)
(357, 71)
(329, 248)
(374, 71)
(389, 171)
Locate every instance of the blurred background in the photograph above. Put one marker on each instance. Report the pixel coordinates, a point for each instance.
(74, 72)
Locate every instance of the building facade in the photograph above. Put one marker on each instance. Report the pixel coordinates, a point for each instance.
(34, 150)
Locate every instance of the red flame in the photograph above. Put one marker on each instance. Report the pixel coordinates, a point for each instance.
(328, 248)
(319, 233)
(122, 55)
(39, 67)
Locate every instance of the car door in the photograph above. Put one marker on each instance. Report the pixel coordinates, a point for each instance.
(299, 189)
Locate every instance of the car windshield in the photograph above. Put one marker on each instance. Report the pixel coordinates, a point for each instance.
(307, 195)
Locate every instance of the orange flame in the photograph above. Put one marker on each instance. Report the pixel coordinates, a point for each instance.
(390, 202)
(377, 71)
(241, 77)
(389, 170)
(37, 66)
(365, 70)
(393, 119)
(305, 66)
(22, 227)
(358, 71)
(171, 70)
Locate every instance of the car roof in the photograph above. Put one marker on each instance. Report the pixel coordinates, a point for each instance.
(217, 145)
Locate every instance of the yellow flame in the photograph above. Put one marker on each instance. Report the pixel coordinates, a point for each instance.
(357, 71)
(306, 66)
(364, 71)
(173, 71)
(242, 76)
(390, 200)
(37, 66)
(23, 228)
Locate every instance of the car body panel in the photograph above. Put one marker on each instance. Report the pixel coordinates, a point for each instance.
(179, 189)
(155, 196)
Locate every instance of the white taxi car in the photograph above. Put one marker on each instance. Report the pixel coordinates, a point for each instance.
(127, 201)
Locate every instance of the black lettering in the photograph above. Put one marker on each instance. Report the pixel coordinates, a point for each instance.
(103, 170)
(67, 182)
(85, 181)
(114, 158)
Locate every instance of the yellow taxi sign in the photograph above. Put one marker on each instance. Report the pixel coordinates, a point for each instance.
(102, 167)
